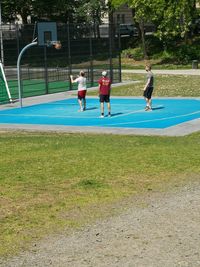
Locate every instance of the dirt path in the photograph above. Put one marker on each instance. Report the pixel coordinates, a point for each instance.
(162, 230)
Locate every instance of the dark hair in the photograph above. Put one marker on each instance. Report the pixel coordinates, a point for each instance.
(148, 66)
(82, 73)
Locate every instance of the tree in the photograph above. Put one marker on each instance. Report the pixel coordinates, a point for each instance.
(91, 11)
(60, 10)
(142, 10)
(174, 19)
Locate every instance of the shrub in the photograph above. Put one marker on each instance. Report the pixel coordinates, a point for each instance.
(165, 56)
(186, 53)
(135, 53)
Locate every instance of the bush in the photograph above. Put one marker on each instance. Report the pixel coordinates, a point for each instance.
(186, 53)
(134, 53)
(165, 56)
(153, 45)
(183, 54)
(176, 53)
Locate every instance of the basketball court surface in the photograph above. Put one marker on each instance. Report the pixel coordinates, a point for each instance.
(170, 116)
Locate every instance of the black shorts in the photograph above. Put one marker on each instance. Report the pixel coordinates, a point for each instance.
(104, 98)
(148, 92)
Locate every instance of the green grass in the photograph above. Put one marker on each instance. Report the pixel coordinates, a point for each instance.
(51, 182)
(165, 85)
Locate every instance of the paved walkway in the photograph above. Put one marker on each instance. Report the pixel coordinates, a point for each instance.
(168, 72)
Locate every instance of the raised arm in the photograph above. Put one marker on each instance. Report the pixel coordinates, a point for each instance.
(72, 80)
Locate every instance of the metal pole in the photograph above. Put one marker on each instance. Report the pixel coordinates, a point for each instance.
(69, 55)
(119, 51)
(1, 38)
(46, 71)
(91, 58)
(110, 51)
(17, 37)
(19, 69)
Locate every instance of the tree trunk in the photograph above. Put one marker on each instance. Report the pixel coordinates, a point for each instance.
(141, 25)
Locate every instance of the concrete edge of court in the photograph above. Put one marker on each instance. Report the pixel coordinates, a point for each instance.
(178, 130)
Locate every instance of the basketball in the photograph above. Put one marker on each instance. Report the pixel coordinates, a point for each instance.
(58, 46)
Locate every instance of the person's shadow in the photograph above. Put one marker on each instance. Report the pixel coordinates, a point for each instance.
(156, 108)
(91, 108)
(116, 114)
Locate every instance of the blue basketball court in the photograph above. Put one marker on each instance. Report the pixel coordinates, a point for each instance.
(126, 113)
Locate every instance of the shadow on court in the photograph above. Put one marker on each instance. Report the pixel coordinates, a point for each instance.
(117, 114)
(92, 108)
(156, 108)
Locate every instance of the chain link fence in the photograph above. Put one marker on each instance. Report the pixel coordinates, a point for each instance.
(45, 70)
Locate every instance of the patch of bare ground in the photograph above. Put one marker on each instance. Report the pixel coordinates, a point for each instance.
(160, 229)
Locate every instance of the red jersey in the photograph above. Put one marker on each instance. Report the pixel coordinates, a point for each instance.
(105, 84)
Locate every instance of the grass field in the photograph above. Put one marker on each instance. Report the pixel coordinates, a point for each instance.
(50, 182)
(165, 85)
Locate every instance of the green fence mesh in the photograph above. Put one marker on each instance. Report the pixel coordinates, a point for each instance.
(3, 93)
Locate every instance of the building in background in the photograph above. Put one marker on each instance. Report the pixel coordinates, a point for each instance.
(122, 15)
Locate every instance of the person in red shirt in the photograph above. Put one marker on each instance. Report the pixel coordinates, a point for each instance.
(104, 93)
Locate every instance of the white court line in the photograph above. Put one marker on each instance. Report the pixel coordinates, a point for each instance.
(85, 117)
(161, 119)
(136, 111)
(128, 104)
(56, 116)
(110, 124)
(50, 116)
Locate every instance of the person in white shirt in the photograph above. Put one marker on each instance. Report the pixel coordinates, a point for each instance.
(82, 89)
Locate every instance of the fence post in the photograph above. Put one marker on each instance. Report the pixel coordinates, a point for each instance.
(1, 39)
(119, 51)
(46, 71)
(69, 56)
(91, 59)
(17, 37)
(110, 50)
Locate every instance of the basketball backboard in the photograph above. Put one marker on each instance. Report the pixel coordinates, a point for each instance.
(47, 32)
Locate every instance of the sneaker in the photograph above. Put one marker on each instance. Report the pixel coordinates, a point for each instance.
(102, 116)
(109, 115)
(147, 108)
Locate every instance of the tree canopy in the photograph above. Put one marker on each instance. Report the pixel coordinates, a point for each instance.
(60, 10)
(172, 19)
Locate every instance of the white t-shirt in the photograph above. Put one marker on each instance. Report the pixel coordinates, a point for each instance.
(81, 83)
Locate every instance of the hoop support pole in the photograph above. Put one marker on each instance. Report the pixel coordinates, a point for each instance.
(19, 69)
